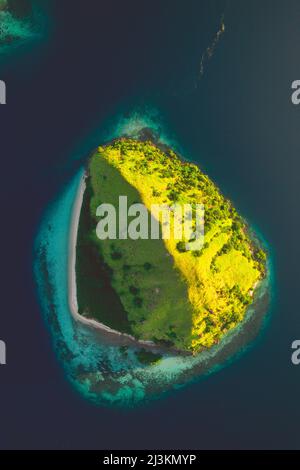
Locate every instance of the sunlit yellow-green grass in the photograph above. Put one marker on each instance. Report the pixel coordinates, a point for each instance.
(188, 298)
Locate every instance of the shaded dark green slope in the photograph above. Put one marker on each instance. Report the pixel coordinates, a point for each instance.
(95, 295)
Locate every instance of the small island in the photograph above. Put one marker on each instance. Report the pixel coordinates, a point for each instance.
(154, 291)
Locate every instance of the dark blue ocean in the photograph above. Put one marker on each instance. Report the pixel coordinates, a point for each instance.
(99, 61)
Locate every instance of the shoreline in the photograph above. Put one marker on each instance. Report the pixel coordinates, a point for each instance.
(72, 287)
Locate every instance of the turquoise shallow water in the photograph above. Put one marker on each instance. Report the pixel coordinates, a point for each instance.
(101, 371)
(16, 32)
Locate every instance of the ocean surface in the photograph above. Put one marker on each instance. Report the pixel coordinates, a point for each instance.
(102, 66)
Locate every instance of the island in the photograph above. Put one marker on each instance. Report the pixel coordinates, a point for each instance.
(155, 291)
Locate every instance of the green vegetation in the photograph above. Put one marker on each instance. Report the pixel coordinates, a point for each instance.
(185, 299)
(151, 291)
